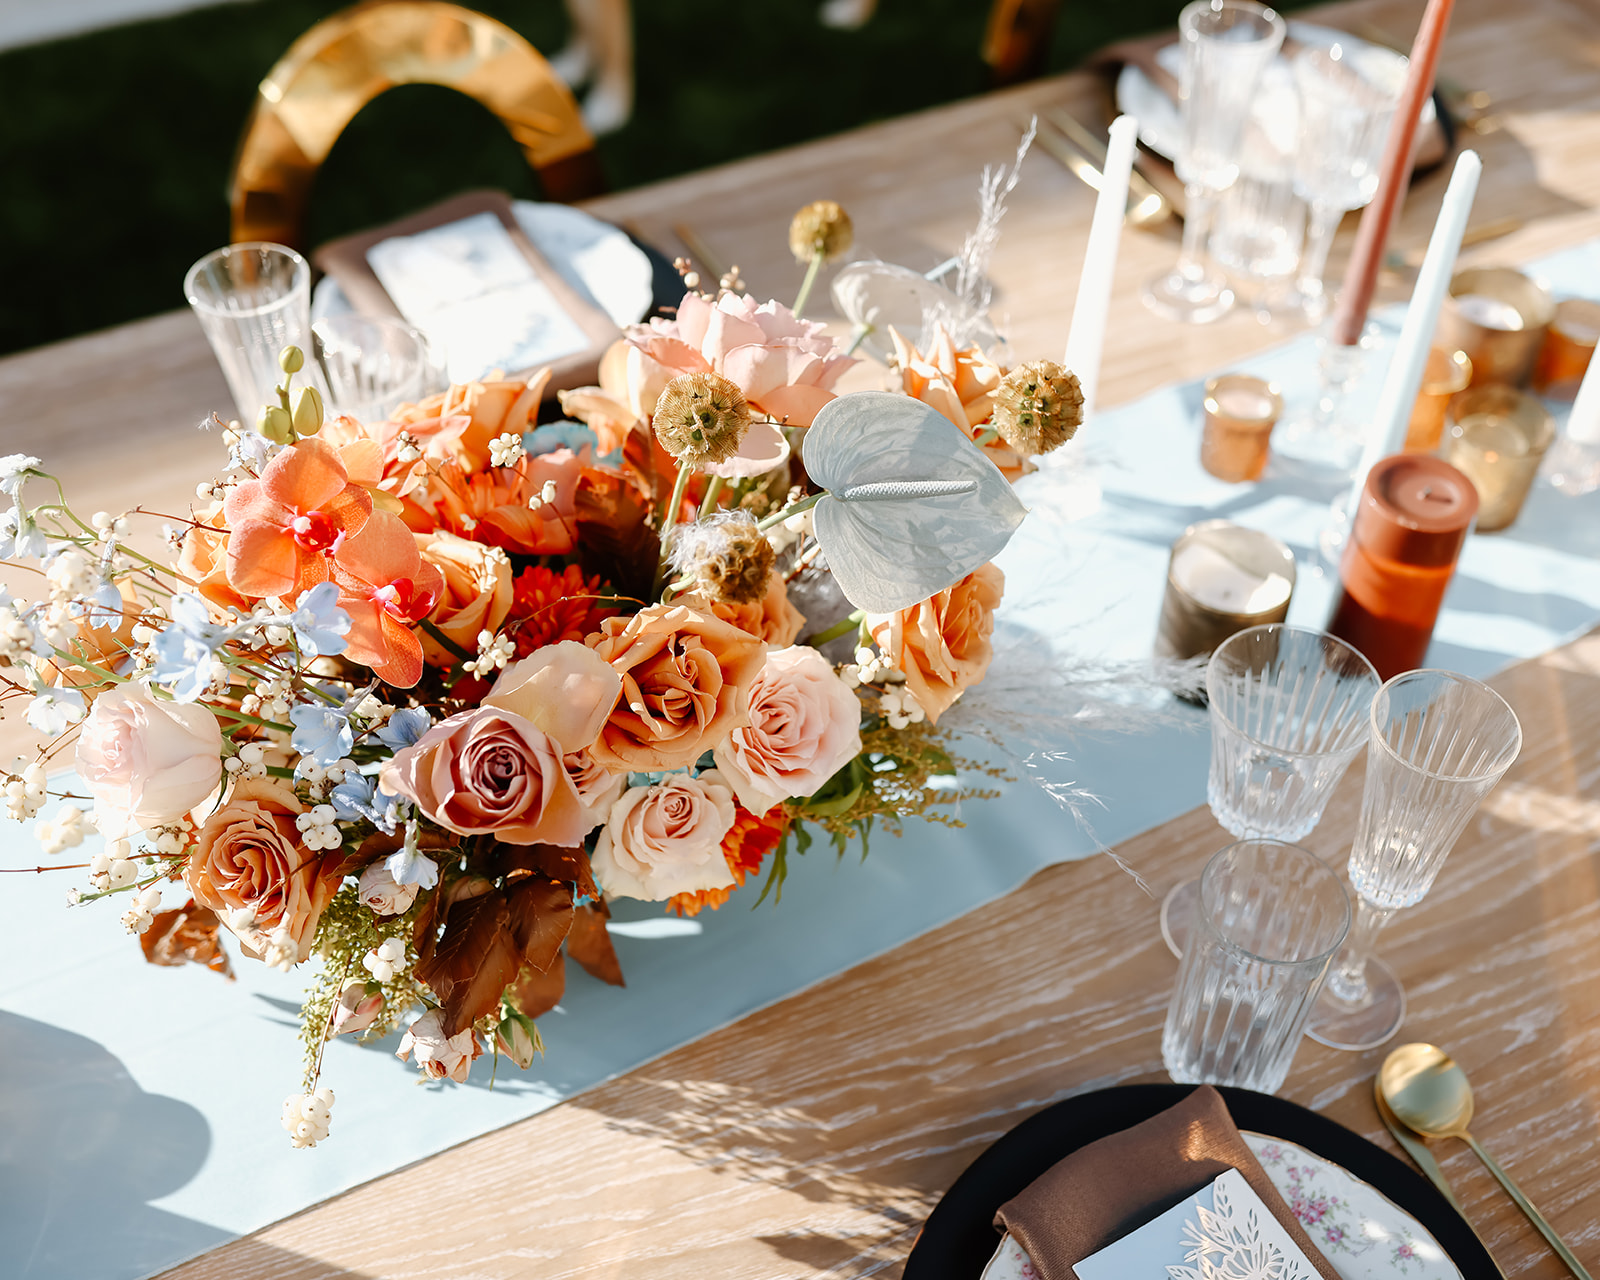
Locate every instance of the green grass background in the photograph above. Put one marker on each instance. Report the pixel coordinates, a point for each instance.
(115, 146)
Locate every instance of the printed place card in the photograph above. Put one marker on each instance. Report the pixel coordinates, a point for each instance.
(1222, 1232)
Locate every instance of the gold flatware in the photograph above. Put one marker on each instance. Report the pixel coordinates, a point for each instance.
(1430, 1094)
(1142, 211)
(1093, 146)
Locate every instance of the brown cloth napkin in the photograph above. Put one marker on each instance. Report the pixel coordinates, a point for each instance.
(1103, 1191)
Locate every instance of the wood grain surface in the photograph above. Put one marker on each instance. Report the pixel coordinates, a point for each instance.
(813, 1137)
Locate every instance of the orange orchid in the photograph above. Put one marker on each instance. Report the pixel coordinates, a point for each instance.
(387, 588)
(282, 526)
(380, 460)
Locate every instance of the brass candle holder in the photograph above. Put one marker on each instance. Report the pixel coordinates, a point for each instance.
(1498, 440)
(1498, 316)
(1241, 411)
(1447, 374)
(1222, 578)
(1568, 348)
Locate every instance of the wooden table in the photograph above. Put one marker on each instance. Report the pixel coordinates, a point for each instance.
(813, 1137)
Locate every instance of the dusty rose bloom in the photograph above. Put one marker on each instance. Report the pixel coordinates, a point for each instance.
(383, 894)
(477, 592)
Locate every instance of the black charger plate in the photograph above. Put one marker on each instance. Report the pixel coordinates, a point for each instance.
(959, 1237)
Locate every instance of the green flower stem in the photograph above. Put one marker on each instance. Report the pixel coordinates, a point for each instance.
(446, 641)
(249, 719)
(805, 285)
(863, 331)
(843, 627)
(669, 517)
(793, 509)
(708, 504)
(985, 437)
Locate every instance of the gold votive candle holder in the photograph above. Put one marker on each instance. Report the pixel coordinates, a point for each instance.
(1241, 411)
(1499, 317)
(1446, 374)
(1498, 438)
(1221, 578)
(1568, 347)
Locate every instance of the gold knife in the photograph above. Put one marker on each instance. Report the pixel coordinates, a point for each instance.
(1142, 209)
(1417, 1149)
(1094, 147)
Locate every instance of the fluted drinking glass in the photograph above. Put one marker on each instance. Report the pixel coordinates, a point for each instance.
(252, 299)
(1439, 744)
(371, 365)
(1271, 918)
(1289, 712)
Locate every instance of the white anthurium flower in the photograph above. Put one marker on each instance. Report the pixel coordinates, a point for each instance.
(912, 505)
(874, 295)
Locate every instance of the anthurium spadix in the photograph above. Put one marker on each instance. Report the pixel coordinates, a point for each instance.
(911, 504)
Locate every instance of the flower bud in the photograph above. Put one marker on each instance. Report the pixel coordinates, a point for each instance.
(307, 411)
(701, 418)
(291, 359)
(821, 229)
(517, 1038)
(275, 424)
(1037, 407)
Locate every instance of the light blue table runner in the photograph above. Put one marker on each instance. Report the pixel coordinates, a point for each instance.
(139, 1105)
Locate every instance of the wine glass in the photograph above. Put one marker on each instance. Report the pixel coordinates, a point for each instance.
(1439, 743)
(1347, 100)
(1289, 712)
(1227, 45)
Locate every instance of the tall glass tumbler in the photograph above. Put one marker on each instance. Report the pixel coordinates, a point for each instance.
(372, 365)
(1271, 918)
(1227, 45)
(252, 300)
(1439, 744)
(1289, 712)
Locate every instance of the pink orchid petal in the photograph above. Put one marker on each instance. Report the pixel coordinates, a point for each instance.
(263, 560)
(382, 552)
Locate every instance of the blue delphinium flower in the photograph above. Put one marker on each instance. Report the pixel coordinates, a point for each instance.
(185, 649)
(409, 865)
(20, 536)
(403, 728)
(14, 469)
(54, 710)
(321, 732)
(320, 626)
(358, 797)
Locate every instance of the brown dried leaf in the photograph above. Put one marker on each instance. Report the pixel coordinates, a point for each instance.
(189, 935)
(535, 993)
(615, 539)
(472, 961)
(589, 943)
(540, 916)
(514, 861)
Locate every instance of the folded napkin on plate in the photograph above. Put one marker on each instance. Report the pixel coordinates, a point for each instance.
(1111, 1187)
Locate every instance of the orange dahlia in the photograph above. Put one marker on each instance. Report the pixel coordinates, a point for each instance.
(746, 847)
(549, 606)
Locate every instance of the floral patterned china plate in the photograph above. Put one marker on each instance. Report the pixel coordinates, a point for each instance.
(1368, 1211)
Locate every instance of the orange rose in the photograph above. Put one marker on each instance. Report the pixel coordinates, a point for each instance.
(943, 644)
(686, 679)
(491, 408)
(477, 592)
(203, 559)
(961, 384)
(248, 856)
(771, 618)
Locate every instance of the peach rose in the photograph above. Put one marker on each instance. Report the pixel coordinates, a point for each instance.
(383, 895)
(477, 592)
(248, 857)
(771, 618)
(598, 788)
(943, 643)
(685, 686)
(378, 459)
(203, 559)
(490, 408)
(493, 506)
(805, 726)
(666, 839)
(960, 382)
(440, 1056)
(490, 772)
(145, 760)
(566, 689)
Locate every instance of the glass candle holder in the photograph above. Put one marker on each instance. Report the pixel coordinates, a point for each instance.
(1446, 374)
(1499, 318)
(1221, 579)
(1568, 347)
(1241, 411)
(1498, 441)
(1409, 525)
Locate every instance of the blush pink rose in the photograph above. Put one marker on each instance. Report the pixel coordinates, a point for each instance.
(145, 760)
(441, 1057)
(354, 1011)
(383, 895)
(666, 839)
(805, 726)
(490, 772)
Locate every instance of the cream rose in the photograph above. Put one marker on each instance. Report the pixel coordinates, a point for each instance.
(805, 726)
(248, 858)
(440, 1056)
(943, 643)
(666, 839)
(145, 760)
(476, 597)
(383, 895)
(490, 772)
(566, 689)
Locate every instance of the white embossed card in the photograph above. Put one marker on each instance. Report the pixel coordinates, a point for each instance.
(1222, 1232)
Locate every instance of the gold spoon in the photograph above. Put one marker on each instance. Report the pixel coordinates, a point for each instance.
(1429, 1094)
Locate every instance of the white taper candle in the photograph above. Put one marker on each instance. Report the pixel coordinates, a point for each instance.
(1086, 338)
(1387, 432)
(1583, 427)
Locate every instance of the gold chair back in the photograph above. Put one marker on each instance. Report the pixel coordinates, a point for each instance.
(346, 60)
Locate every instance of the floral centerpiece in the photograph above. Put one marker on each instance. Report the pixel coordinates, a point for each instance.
(417, 699)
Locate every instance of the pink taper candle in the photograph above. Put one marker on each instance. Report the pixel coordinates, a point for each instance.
(1394, 176)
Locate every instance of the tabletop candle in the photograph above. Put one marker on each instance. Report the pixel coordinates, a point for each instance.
(1568, 348)
(1240, 412)
(1222, 578)
(1409, 526)
(1499, 317)
(1446, 374)
(1491, 313)
(1498, 441)
(1086, 337)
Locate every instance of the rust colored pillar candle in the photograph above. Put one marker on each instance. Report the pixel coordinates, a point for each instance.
(1413, 516)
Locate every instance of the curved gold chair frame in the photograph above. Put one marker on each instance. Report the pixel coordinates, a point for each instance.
(348, 59)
